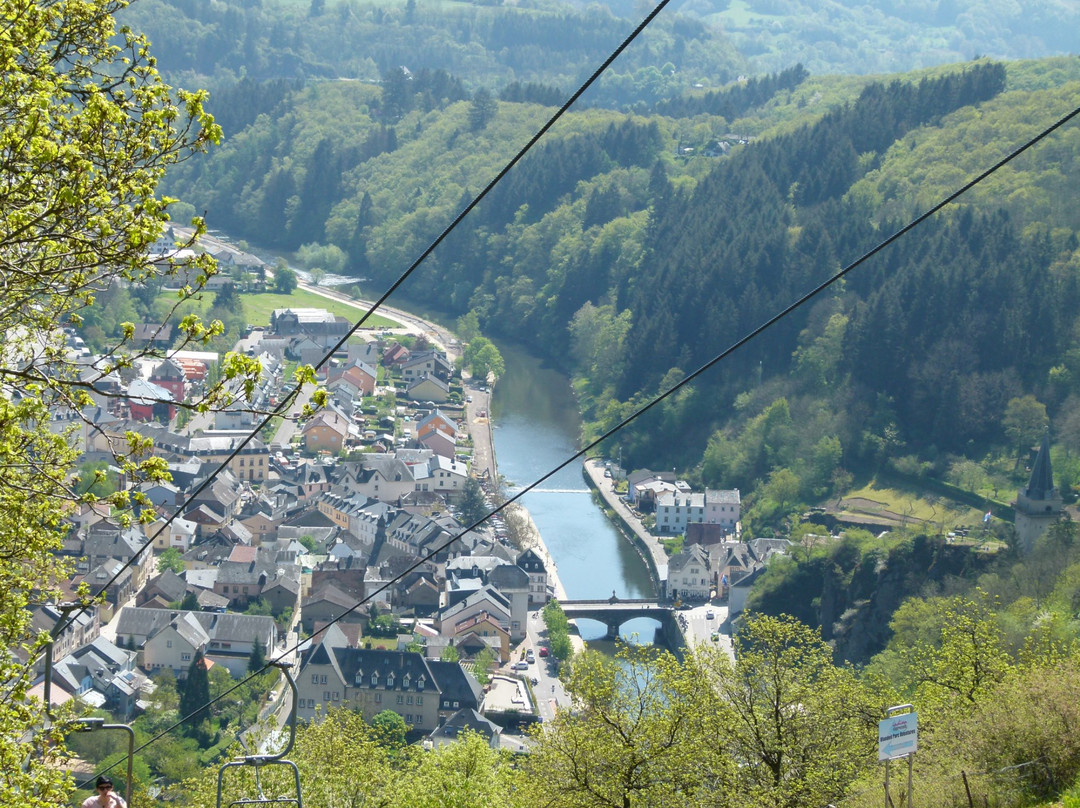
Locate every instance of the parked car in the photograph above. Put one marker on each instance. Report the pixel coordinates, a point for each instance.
(520, 666)
(543, 650)
(529, 657)
(709, 615)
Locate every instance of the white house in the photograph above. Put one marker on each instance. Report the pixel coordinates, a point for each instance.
(723, 508)
(689, 576)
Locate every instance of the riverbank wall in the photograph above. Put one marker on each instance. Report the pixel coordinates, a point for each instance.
(650, 550)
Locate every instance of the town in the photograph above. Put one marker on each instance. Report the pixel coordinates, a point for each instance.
(337, 539)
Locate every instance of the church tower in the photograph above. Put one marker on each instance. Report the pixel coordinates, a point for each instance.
(1038, 505)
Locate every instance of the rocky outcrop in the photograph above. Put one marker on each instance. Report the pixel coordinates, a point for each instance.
(851, 594)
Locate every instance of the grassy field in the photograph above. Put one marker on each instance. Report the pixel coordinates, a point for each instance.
(258, 307)
(872, 498)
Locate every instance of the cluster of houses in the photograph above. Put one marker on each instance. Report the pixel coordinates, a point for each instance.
(714, 563)
(711, 515)
(286, 541)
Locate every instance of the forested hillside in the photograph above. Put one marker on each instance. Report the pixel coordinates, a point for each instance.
(632, 249)
(546, 43)
(850, 36)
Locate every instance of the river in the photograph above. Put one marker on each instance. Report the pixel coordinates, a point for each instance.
(537, 426)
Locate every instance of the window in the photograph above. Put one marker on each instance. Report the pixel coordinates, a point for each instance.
(185, 657)
(400, 699)
(326, 695)
(405, 680)
(322, 679)
(408, 717)
(390, 680)
(408, 700)
(314, 678)
(456, 705)
(374, 678)
(337, 695)
(168, 643)
(419, 701)
(378, 698)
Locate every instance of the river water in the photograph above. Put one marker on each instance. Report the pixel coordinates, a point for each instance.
(537, 427)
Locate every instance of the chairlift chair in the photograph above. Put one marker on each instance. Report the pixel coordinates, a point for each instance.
(258, 761)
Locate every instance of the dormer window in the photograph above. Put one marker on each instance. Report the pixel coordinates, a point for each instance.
(374, 678)
(420, 682)
(359, 680)
(390, 680)
(405, 680)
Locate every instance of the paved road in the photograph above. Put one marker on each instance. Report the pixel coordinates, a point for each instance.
(549, 691)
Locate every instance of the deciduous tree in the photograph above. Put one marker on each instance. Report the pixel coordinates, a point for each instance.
(801, 727)
(87, 129)
(643, 732)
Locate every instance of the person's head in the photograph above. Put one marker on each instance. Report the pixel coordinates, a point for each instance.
(104, 785)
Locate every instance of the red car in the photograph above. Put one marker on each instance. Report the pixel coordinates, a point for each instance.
(543, 651)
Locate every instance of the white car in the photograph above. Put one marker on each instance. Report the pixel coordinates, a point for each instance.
(709, 615)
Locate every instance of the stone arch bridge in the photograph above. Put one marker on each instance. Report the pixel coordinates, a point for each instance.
(614, 612)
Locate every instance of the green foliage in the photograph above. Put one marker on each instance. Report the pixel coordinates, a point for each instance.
(479, 45)
(800, 724)
(1025, 421)
(558, 630)
(95, 480)
(327, 257)
(384, 625)
(257, 658)
(389, 728)
(482, 109)
(194, 695)
(172, 560)
(636, 737)
(482, 665)
(956, 652)
(472, 507)
(284, 279)
(89, 130)
(852, 38)
(465, 774)
(483, 359)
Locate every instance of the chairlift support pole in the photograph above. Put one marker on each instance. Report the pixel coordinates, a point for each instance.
(66, 608)
(82, 724)
(93, 724)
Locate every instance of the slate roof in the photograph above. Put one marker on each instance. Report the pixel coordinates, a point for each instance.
(141, 622)
(694, 554)
(465, 720)
(1041, 483)
(508, 577)
(170, 585)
